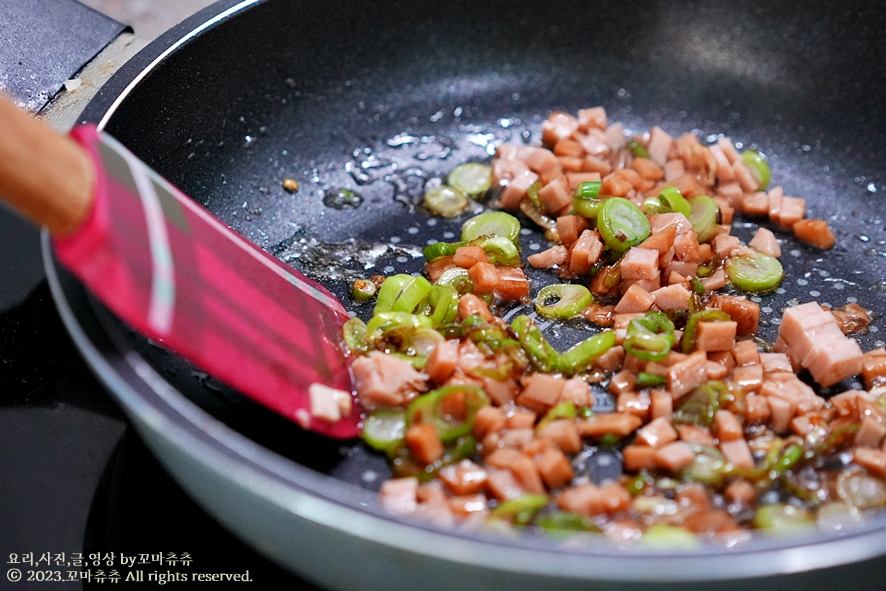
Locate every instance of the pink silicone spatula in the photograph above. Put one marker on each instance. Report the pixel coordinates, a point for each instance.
(178, 275)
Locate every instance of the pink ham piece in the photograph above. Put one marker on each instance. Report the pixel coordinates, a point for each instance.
(659, 147)
(385, 380)
(811, 335)
(764, 241)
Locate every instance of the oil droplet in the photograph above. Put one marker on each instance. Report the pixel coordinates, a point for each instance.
(342, 198)
(879, 286)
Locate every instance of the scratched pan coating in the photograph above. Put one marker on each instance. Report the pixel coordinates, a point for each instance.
(365, 105)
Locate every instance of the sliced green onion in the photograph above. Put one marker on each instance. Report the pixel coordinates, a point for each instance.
(622, 224)
(384, 429)
(451, 409)
(691, 329)
(704, 217)
(585, 201)
(542, 355)
(443, 301)
(521, 509)
(653, 206)
(472, 178)
(707, 467)
(499, 250)
(388, 321)
(781, 517)
(363, 290)
(580, 356)
(638, 149)
(790, 458)
(446, 201)
(401, 293)
(698, 408)
(457, 278)
(665, 537)
(356, 336)
(650, 336)
(491, 223)
(672, 199)
(650, 380)
(562, 410)
(759, 167)
(532, 193)
(562, 300)
(441, 249)
(757, 273)
(565, 521)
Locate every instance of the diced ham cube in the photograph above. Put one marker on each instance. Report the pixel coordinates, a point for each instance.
(589, 499)
(558, 126)
(725, 174)
(657, 433)
(329, 404)
(570, 227)
(659, 147)
(673, 169)
(468, 256)
(745, 177)
(483, 277)
(715, 336)
(554, 197)
(615, 136)
(873, 368)
(776, 195)
(873, 460)
(647, 168)
(424, 443)
(638, 457)
(725, 144)
(502, 485)
(635, 299)
(764, 241)
(672, 297)
(745, 312)
(592, 117)
(515, 190)
(488, 419)
(815, 232)
(564, 434)
(511, 283)
(834, 362)
(737, 453)
(757, 408)
(398, 495)
(640, 263)
(661, 405)
(695, 434)
(585, 252)
(464, 477)
(470, 305)
(543, 162)
(442, 361)
(687, 375)
(792, 211)
(749, 377)
(781, 411)
(674, 456)
(554, 468)
(385, 380)
(773, 362)
(755, 204)
(568, 147)
(620, 424)
(548, 259)
(871, 433)
(540, 391)
(726, 245)
(727, 427)
(746, 353)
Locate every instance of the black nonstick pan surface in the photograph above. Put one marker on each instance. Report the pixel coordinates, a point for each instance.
(365, 104)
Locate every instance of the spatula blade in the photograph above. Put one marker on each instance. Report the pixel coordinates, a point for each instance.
(179, 276)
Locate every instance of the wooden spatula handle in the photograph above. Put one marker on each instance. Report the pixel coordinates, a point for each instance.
(44, 175)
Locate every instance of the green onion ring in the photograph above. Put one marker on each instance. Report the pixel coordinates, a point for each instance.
(569, 300)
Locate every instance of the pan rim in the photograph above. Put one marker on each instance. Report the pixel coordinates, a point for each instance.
(783, 557)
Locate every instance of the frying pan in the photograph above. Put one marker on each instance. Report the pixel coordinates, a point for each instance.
(382, 99)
